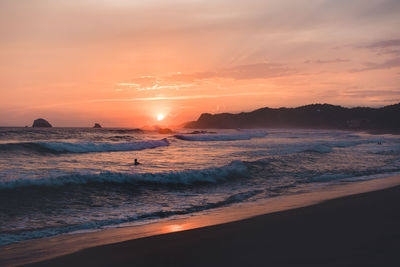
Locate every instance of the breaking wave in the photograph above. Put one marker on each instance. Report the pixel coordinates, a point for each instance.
(242, 135)
(86, 147)
(327, 147)
(12, 237)
(209, 175)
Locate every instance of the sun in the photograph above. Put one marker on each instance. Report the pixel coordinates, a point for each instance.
(160, 117)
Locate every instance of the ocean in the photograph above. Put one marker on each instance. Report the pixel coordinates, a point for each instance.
(71, 180)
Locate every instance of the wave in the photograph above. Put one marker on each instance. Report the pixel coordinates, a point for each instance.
(12, 237)
(351, 175)
(209, 175)
(84, 147)
(245, 135)
(327, 147)
(278, 149)
(320, 148)
(136, 130)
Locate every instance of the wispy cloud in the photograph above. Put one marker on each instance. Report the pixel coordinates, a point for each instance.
(385, 47)
(384, 44)
(329, 61)
(371, 93)
(156, 98)
(389, 52)
(147, 83)
(263, 70)
(391, 63)
(157, 86)
(144, 99)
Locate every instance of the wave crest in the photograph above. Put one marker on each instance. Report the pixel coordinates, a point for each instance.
(209, 175)
(8, 238)
(86, 147)
(327, 147)
(242, 135)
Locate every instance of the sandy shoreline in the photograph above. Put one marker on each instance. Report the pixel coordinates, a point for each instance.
(153, 245)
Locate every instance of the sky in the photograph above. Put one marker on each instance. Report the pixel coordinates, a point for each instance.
(124, 62)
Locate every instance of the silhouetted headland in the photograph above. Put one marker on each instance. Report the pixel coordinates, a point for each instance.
(317, 116)
(41, 123)
(97, 125)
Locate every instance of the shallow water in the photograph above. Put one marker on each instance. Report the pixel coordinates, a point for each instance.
(65, 180)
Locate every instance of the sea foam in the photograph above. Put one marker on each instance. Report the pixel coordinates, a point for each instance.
(83, 147)
(240, 135)
(209, 175)
(8, 238)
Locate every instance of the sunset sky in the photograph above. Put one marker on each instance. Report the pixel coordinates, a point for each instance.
(123, 62)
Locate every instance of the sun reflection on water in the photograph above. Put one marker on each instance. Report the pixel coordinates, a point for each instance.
(176, 228)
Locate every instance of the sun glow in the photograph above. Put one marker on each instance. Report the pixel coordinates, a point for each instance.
(160, 117)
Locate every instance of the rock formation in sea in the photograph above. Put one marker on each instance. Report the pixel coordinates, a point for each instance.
(97, 125)
(41, 123)
(165, 131)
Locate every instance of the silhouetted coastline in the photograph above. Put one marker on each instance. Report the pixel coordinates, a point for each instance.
(315, 116)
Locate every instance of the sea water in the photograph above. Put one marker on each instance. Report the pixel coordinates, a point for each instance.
(68, 180)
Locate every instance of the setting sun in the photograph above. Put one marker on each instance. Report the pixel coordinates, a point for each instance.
(160, 117)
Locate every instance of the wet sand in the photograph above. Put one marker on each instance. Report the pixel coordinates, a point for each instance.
(356, 230)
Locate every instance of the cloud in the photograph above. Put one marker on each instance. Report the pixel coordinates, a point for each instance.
(389, 52)
(154, 86)
(240, 72)
(388, 100)
(179, 80)
(319, 61)
(156, 98)
(371, 93)
(392, 63)
(146, 83)
(257, 71)
(384, 44)
(385, 47)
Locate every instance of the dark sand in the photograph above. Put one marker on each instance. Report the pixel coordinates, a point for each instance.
(357, 230)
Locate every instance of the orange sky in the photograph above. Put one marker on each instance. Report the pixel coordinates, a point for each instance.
(120, 63)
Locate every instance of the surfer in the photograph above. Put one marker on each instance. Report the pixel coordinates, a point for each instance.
(136, 162)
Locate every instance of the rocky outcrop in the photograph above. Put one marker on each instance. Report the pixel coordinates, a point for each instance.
(316, 116)
(165, 131)
(97, 125)
(41, 123)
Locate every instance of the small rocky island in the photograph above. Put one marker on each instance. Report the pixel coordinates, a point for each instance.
(97, 125)
(41, 123)
(165, 131)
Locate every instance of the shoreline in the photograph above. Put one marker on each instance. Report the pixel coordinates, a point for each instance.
(39, 250)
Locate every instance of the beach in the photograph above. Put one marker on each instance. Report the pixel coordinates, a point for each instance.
(360, 229)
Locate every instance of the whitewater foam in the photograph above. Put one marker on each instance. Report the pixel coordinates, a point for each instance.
(83, 147)
(209, 175)
(12, 237)
(320, 146)
(240, 135)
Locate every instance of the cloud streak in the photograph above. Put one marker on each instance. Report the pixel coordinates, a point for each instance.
(319, 61)
(371, 93)
(186, 97)
(241, 72)
(156, 86)
(385, 44)
(391, 63)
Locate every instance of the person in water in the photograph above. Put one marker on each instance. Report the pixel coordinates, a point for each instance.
(136, 162)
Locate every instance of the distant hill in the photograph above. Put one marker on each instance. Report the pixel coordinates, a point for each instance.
(317, 116)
